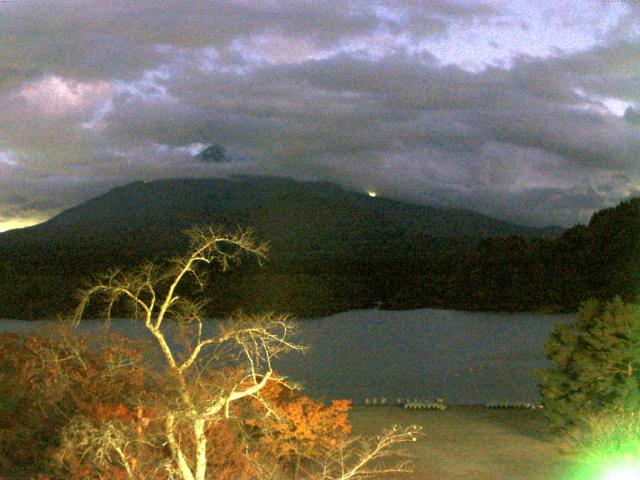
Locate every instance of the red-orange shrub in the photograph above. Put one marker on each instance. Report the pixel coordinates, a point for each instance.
(46, 381)
(62, 400)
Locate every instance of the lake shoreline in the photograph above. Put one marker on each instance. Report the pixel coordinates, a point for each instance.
(302, 318)
(465, 358)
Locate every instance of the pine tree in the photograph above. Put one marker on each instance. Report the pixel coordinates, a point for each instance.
(597, 361)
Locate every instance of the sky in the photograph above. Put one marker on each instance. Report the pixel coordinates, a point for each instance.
(528, 111)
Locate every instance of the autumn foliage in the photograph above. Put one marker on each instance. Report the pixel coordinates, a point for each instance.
(48, 382)
(301, 428)
(189, 405)
(70, 410)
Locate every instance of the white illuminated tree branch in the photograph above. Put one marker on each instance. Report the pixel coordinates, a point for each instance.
(251, 342)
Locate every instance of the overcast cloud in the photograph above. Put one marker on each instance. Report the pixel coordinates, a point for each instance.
(527, 111)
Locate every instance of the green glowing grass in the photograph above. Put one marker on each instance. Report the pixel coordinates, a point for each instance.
(615, 470)
(622, 472)
(607, 448)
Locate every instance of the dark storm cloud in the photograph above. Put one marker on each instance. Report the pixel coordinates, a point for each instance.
(400, 112)
(587, 139)
(351, 92)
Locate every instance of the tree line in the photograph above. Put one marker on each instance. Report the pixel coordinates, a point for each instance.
(512, 273)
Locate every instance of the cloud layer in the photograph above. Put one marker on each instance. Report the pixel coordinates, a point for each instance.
(435, 102)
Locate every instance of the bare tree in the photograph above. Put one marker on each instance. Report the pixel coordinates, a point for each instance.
(361, 458)
(249, 343)
(369, 457)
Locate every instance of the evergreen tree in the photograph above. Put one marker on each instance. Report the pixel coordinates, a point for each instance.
(597, 363)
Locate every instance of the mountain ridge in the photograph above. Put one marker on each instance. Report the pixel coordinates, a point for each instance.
(331, 249)
(462, 222)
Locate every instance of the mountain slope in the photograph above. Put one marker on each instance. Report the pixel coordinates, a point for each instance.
(278, 209)
(335, 248)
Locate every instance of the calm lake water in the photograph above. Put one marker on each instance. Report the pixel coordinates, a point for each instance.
(465, 357)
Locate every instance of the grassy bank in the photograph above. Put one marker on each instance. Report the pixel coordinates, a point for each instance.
(473, 443)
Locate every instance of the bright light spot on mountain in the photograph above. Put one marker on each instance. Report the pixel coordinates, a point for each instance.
(372, 194)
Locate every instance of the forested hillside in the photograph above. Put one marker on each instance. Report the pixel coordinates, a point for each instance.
(331, 250)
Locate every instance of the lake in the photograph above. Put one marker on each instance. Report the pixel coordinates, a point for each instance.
(465, 357)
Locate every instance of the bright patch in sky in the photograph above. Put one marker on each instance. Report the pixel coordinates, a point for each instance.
(19, 223)
(57, 95)
(525, 28)
(196, 148)
(148, 87)
(597, 103)
(616, 106)
(8, 158)
(276, 48)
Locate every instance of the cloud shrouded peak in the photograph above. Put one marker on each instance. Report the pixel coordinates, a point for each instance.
(525, 111)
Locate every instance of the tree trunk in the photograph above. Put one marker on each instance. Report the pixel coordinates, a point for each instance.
(183, 467)
(201, 448)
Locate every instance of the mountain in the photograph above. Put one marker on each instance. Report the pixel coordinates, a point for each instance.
(302, 221)
(314, 229)
(213, 153)
(284, 211)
